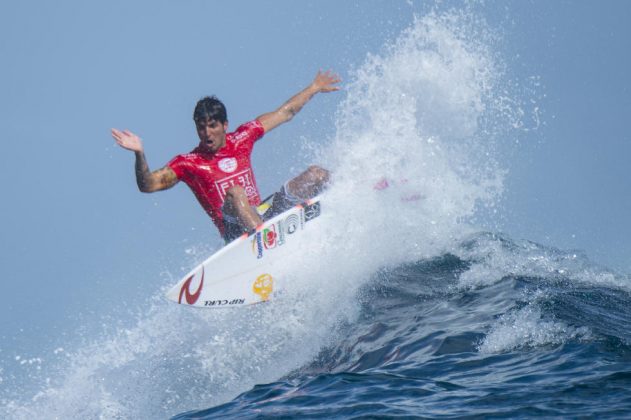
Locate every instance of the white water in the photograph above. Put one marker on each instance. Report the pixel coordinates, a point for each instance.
(414, 117)
(494, 258)
(423, 115)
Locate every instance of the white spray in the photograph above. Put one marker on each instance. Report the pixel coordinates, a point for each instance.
(412, 125)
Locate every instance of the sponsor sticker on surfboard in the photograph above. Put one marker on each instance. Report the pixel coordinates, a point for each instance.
(243, 272)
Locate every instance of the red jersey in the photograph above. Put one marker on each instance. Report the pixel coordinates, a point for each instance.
(209, 175)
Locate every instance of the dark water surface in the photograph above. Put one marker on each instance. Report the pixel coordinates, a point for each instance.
(557, 345)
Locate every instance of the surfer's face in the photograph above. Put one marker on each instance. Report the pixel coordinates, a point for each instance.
(212, 134)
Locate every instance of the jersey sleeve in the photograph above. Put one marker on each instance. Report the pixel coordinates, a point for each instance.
(248, 133)
(178, 165)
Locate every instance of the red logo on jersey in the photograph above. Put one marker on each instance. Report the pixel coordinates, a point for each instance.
(243, 178)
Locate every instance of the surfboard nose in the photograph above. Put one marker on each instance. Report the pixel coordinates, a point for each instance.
(172, 294)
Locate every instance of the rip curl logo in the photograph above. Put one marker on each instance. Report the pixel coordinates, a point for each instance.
(191, 298)
(228, 165)
(224, 302)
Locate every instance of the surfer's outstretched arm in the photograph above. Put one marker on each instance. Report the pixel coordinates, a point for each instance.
(147, 181)
(323, 82)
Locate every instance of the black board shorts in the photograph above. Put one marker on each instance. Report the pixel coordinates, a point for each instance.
(273, 205)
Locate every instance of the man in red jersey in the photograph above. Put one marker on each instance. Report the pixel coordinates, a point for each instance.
(219, 171)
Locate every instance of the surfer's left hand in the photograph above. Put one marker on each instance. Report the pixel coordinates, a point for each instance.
(326, 82)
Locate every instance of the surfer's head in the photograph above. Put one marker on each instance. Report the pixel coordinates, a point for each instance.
(210, 108)
(211, 122)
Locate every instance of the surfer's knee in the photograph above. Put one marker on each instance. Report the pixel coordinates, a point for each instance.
(309, 183)
(318, 175)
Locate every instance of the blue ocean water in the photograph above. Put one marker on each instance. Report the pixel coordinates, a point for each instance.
(408, 302)
(553, 341)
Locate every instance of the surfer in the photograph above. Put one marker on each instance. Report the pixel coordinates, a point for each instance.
(219, 170)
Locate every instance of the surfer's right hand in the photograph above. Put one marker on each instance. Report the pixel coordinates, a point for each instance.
(127, 140)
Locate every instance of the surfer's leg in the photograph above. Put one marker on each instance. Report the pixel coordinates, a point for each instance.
(309, 183)
(237, 205)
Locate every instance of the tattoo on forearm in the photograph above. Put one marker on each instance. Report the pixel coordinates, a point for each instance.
(142, 171)
(295, 103)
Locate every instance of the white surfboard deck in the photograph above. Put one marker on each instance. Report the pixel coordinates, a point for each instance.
(244, 271)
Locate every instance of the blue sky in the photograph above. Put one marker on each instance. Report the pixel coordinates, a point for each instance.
(78, 238)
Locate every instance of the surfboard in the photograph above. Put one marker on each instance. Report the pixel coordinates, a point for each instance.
(244, 272)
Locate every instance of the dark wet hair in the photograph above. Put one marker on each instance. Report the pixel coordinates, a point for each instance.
(210, 108)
